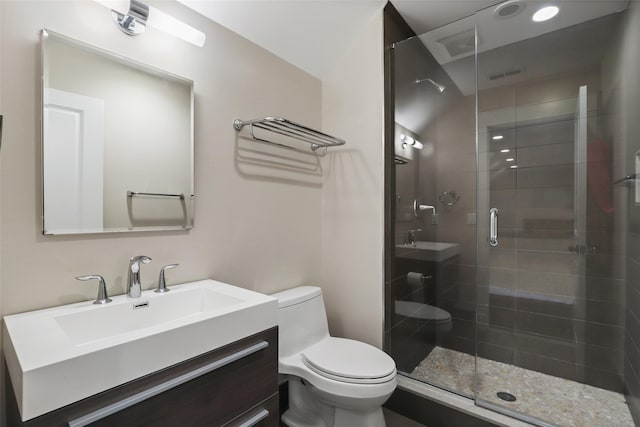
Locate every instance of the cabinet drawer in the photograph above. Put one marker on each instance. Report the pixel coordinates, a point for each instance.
(238, 379)
(265, 414)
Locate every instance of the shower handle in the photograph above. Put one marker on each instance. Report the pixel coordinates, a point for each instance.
(493, 227)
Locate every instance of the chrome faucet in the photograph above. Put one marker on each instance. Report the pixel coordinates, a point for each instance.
(410, 237)
(134, 289)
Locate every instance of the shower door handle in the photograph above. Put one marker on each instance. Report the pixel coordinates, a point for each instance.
(493, 227)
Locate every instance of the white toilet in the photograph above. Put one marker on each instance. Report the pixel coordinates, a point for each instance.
(332, 381)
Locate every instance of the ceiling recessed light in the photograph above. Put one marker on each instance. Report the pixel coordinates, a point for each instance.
(509, 160)
(506, 150)
(497, 137)
(545, 13)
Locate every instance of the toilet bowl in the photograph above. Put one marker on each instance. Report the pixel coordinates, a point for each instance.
(434, 318)
(332, 381)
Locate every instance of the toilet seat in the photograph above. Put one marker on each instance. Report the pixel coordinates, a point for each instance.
(424, 312)
(349, 361)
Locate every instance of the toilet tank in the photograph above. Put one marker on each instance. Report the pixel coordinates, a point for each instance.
(302, 319)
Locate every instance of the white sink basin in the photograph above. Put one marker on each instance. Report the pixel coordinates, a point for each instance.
(84, 326)
(60, 355)
(428, 251)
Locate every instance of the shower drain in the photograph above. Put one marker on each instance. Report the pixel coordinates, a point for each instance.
(506, 396)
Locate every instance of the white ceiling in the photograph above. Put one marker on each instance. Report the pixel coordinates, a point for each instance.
(310, 34)
(574, 40)
(496, 32)
(313, 34)
(425, 15)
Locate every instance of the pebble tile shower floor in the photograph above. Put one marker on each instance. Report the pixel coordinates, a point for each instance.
(563, 402)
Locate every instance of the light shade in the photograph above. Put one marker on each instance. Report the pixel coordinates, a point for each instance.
(160, 20)
(120, 6)
(167, 23)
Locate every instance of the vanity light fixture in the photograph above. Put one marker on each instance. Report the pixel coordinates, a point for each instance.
(133, 16)
(407, 140)
(545, 13)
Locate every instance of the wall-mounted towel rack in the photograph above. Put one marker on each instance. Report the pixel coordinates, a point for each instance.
(287, 128)
(138, 193)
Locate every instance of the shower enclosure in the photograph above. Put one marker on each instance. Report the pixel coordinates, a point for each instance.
(512, 278)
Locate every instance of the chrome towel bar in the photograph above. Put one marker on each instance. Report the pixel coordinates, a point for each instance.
(287, 128)
(138, 193)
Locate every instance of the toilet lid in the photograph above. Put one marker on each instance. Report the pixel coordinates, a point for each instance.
(417, 310)
(348, 360)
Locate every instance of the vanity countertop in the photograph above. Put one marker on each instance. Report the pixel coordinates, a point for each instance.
(60, 355)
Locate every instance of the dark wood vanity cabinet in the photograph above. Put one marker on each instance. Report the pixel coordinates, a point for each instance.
(242, 390)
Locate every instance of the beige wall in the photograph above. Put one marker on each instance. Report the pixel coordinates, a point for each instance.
(353, 192)
(263, 219)
(256, 232)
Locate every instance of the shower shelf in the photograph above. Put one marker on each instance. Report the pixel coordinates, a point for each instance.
(628, 180)
(289, 129)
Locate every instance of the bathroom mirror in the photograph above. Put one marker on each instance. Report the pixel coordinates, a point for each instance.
(117, 142)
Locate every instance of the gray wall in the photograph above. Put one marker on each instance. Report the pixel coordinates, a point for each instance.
(627, 94)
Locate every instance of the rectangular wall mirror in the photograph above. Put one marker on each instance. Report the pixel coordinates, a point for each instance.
(117, 142)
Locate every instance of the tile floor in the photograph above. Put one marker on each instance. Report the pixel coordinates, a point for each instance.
(561, 402)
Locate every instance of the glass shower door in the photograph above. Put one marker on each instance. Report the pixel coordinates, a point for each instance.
(550, 313)
(531, 321)
(431, 297)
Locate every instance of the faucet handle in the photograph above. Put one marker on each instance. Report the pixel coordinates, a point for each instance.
(162, 284)
(135, 261)
(102, 298)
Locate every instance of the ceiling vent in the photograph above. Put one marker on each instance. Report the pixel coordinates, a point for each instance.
(459, 44)
(509, 73)
(508, 9)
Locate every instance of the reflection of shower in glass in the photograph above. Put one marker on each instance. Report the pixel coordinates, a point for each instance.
(441, 88)
(448, 198)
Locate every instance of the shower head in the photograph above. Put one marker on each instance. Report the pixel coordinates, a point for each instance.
(441, 88)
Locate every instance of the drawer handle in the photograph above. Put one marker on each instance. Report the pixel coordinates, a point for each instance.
(168, 385)
(255, 419)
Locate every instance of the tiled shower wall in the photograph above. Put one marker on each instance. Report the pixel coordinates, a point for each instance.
(588, 335)
(540, 305)
(627, 65)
